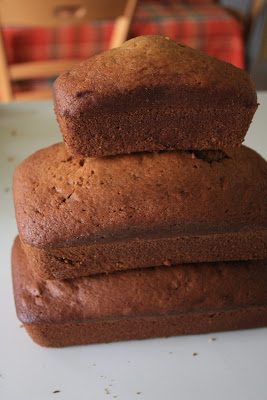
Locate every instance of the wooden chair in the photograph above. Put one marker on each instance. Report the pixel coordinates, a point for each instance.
(55, 13)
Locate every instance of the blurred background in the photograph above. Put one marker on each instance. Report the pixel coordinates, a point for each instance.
(41, 39)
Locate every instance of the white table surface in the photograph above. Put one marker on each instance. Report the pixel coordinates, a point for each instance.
(234, 366)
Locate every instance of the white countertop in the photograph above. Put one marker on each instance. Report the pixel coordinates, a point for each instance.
(234, 366)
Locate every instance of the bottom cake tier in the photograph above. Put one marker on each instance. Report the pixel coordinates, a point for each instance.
(138, 304)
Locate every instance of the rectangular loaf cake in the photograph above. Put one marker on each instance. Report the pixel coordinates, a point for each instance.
(153, 94)
(82, 216)
(153, 302)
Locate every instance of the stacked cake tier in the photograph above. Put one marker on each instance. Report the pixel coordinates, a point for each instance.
(157, 301)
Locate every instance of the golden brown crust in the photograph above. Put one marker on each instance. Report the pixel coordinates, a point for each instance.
(85, 260)
(184, 299)
(153, 94)
(70, 334)
(154, 291)
(63, 201)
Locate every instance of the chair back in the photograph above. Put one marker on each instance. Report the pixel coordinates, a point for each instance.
(53, 13)
(57, 12)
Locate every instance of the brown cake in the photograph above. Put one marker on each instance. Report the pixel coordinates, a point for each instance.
(153, 94)
(84, 216)
(160, 301)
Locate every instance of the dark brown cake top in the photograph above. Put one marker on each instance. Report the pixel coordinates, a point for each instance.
(60, 199)
(147, 62)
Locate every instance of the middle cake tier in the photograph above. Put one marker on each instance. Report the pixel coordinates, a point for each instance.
(82, 216)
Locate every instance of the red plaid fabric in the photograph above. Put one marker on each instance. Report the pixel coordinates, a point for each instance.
(207, 27)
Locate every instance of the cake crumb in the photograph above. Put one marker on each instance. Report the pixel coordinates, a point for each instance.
(10, 159)
(6, 189)
(212, 339)
(21, 326)
(170, 352)
(195, 354)
(114, 397)
(56, 391)
(107, 391)
(138, 393)
(167, 263)
(13, 132)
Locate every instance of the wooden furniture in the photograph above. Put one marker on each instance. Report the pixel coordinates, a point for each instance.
(55, 13)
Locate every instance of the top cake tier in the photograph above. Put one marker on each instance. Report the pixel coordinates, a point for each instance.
(153, 94)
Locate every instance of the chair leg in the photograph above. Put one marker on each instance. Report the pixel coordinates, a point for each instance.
(5, 83)
(122, 25)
